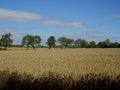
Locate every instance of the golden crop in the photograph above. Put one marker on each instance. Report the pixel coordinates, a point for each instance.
(65, 61)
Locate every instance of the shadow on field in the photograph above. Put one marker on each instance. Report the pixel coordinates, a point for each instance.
(55, 81)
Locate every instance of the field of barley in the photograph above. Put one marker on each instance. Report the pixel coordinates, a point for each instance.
(65, 61)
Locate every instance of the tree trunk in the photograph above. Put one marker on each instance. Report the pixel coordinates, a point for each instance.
(5, 47)
(49, 47)
(33, 47)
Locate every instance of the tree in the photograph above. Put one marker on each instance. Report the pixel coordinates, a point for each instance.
(101, 44)
(115, 45)
(25, 41)
(37, 40)
(51, 41)
(92, 44)
(83, 43)
(65, 41)
(105, 44)
(77, 43)
(62, 40)
(31, 41)
(6, 40)
(69, 42)
(28, 40)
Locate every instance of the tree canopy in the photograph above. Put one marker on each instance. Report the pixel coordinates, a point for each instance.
(30, 40)
(51, 41)
(92, 44)
(6, 40)
(37, 40)
(34, 41)
(64, 41)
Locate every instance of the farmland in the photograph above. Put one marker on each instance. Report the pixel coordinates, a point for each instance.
(64, 61)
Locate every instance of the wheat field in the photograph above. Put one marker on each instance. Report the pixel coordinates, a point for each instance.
(65, 61)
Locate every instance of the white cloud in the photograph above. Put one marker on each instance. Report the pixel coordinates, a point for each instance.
(19, 16)
(22, 16)
(74, 25)
(53, 22)
(117, 16)
(4, 30)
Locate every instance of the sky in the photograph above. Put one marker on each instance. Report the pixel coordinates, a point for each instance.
(93, 20)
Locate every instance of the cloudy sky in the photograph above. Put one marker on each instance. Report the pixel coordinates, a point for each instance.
(86, 19)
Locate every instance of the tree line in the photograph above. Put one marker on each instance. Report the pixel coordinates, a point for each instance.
(35, 41)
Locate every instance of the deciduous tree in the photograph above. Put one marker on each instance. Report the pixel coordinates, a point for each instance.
(92, 44)
(64, 41)
(37, 40)
(6, 40)
(51, 41)
(30, 40)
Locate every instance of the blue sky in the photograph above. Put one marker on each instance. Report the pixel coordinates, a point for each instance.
(86, 19)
